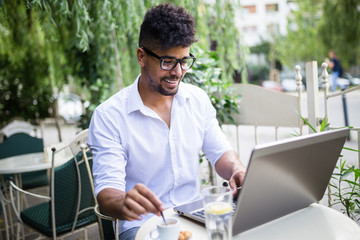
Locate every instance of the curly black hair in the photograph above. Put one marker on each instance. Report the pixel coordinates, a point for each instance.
(166, 26)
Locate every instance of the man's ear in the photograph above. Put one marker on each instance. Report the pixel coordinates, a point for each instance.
(140, 57)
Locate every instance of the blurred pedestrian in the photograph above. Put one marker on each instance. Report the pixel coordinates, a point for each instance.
(336, 69)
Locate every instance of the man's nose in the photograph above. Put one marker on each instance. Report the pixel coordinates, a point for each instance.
(177, 69)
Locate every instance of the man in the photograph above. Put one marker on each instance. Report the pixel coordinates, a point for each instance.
(336, 70)
(146, 139)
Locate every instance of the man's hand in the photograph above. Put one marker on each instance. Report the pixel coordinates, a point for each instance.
(131, 205)
(237, 180)
(230, 167)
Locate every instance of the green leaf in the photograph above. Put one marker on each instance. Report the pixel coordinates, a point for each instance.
(307, 123)
(324, 124)
(351, 149)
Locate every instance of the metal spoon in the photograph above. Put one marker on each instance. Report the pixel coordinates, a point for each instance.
(162, 215)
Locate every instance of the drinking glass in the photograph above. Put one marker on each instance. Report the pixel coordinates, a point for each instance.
(218, 207)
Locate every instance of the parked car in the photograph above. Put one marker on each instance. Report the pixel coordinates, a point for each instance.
(353, 80)
(271, 85)
(288, 82)
(344, 81)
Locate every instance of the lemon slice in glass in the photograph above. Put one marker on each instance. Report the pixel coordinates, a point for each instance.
(218, 208)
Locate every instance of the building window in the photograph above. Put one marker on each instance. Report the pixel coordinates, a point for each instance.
(272, 8)
(249, 9)
(273, 28)
(249, 29)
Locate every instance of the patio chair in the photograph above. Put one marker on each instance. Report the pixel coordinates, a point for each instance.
(107, 225)
(105, 222)
(70, 206)
(5, 227)
(22, 143)
(18, 125)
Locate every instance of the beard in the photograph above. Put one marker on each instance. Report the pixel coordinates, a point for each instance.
(160, 88)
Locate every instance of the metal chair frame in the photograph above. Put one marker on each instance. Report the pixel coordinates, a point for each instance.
(6, 224)
(16, 204)
(80, 143)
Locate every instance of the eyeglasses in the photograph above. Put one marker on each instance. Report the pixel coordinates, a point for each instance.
(168, 63)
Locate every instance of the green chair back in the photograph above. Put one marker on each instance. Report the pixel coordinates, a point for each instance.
(22, 143)
(71, 186)
(67, 189)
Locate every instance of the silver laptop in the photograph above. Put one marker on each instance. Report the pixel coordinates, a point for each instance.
(282, 177)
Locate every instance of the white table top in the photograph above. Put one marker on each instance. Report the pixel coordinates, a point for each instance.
(314, 222)
(26, 163)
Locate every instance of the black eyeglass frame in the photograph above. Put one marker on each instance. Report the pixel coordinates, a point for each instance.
(151, 53)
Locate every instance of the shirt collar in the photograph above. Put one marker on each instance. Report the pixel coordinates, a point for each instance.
(135, 102)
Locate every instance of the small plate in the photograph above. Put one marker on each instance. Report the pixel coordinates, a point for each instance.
(148, 237)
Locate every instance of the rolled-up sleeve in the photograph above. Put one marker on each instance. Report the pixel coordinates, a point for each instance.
(108, 153)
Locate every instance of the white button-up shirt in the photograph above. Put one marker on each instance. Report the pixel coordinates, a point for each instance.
(131, 144)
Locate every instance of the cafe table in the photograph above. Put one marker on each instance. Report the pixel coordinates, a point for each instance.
(24, 163)
(316, 222)
(31, 162)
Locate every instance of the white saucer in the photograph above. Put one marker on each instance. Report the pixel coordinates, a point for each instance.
(148, 237)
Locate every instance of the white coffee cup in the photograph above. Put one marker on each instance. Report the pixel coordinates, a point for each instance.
(170, 231)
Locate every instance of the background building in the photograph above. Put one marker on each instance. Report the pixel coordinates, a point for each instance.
(261, 19)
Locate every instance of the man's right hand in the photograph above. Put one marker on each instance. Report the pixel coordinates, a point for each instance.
(131, 205)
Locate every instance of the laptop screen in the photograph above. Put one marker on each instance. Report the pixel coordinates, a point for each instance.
(286, 176)
(282, 177)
